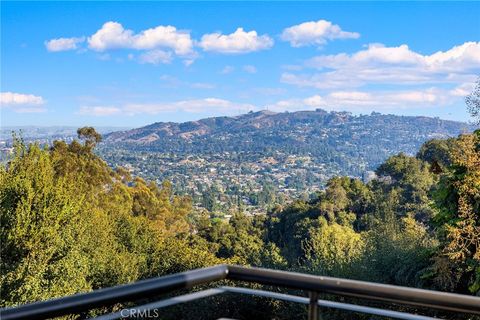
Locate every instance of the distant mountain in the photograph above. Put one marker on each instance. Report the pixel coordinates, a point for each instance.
(189, 130)
(311, 132)
(293, 152)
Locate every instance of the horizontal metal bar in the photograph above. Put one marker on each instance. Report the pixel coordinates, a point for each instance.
(139, 310)
(149, 288)
(267, 294)
(375, 311)
(108, 296)
(136, 312)
(328, 304)
(359, 289)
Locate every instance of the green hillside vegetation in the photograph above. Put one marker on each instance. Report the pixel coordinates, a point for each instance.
(72, 224)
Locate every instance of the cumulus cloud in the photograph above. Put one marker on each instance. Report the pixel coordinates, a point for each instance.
(315, 33)
(235, 43)
(156, 57)
(363, 101)
(113, 35)
(22, 103)
(463, 57)
(98, 111)
(63, 44)
(159, 44)
(393, 65)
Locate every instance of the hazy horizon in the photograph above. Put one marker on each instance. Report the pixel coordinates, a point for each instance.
(106, 127)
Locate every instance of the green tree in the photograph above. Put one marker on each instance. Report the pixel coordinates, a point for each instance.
(458, 202)
(397, 252)
(42, 231)
(411, 180)
(437, 152)
(72, 224)
(333, 250)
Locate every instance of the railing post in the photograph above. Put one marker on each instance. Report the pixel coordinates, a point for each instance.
(313, 306)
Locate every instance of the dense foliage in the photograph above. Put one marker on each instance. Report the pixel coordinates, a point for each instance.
(70, 224)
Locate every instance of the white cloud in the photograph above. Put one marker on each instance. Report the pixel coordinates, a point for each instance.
(387, 100)
(249, 69)
(63, 44)
(165, 36)
(11, 98)
(362, 101)
(235, 43)
(113, 35)
(22, 103)
(156, 57)
(160, 42)
(392, 65)
(463, 89)
(315, 33)
(462, 57)
(192, 106)
(98, 111)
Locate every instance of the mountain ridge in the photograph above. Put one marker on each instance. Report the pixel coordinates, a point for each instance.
(294, 153)
(259, 120)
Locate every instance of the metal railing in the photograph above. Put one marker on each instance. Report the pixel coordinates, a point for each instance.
(314, 285)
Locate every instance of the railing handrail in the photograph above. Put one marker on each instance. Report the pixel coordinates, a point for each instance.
(104, 297)
(150, 287)
(359, 289)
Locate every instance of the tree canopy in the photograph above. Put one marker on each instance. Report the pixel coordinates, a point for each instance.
(70, 224)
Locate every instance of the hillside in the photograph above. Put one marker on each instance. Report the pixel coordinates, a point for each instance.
(263, 157)
(331, 136)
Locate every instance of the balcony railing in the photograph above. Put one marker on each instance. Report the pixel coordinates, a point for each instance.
(313, 285)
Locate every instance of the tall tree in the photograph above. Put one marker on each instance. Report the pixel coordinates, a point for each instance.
(458, 202)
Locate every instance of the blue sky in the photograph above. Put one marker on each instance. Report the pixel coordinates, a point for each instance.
(131, 64)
